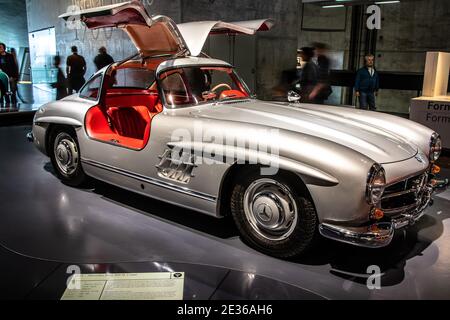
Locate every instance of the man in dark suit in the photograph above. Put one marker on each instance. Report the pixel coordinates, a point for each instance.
(76, 68)
(367, 84)
(103, 59)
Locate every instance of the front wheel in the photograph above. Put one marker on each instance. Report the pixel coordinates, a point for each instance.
(66, 158)
(273, 216)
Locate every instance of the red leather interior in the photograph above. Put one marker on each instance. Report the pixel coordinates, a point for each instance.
(233, 94)
(131, 122)
(126, 119)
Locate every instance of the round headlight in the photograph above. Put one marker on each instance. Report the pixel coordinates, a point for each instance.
(376, 182)
(435, 147)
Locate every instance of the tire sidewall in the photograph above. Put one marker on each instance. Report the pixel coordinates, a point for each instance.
(78, 177)
(304, 233)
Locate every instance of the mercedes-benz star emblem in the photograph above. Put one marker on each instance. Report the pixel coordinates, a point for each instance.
(264, 212)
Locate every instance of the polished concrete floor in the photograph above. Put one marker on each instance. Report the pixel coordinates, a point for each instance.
(30, 97)
(46, 226)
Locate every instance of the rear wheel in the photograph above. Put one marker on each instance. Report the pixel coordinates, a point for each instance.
(66, 158)
(273, 216)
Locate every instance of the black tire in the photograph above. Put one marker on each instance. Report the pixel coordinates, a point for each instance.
(304, 232)
(77, 178)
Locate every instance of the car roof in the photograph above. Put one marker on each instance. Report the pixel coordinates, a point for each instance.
(191, 61)
(174, 63)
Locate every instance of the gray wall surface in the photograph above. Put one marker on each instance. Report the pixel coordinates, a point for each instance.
(13, 24)
(270, 60)
(408, 31)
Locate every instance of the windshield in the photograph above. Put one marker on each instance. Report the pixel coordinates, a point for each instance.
(197, 85)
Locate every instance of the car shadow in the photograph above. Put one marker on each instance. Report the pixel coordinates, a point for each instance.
(345, 261)
(352, 263)
(221, 228)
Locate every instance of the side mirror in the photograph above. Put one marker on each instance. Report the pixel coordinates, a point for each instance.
(293, 97)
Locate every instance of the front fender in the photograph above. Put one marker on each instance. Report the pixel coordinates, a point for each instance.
(210, 153)
(59, 120)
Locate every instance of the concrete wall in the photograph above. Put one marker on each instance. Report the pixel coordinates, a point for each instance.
(330, 26)
(270, 60)
(13, 24)
(408, 31)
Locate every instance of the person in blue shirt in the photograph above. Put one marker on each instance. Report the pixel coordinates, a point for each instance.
(367, 84)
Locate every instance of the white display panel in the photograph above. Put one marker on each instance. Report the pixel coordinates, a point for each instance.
(42, 51)
(433, 113)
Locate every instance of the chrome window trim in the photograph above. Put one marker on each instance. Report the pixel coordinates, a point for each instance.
(181, 66)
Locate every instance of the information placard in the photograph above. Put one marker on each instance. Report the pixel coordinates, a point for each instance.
(126, 286)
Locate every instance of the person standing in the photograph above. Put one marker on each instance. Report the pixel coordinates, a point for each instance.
(323, 89)
(367, 84)
(60, 84)
(103, 59)
(308, 75)
(9, 66)
(76, 69)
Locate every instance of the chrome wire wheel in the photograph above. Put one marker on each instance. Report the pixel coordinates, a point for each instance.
(66, 154)
(270, 209)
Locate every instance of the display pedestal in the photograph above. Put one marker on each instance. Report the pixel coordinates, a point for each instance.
(433, 112)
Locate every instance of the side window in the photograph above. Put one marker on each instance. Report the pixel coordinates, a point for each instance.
(174, 88)
(92, 88)
(133, 78)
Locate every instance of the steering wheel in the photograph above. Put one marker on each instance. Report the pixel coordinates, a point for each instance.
(220, 86)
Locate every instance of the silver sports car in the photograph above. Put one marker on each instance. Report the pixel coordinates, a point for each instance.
(173, 124)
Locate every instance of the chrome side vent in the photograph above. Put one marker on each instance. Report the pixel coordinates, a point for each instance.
(176, 166)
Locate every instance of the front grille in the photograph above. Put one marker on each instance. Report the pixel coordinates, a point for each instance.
(403, 196)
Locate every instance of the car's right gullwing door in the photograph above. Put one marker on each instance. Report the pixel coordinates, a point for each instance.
(152, 35)
(195, 34)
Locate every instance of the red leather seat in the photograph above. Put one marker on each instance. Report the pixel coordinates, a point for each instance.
(130, 117)
(131, 122)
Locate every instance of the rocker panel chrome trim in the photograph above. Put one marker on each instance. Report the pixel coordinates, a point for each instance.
(156, 182)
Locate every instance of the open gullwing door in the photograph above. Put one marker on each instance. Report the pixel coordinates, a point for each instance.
(159, 35)
(195, 34)
(152, 35)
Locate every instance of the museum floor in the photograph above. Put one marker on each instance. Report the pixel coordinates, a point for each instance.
(46, 227)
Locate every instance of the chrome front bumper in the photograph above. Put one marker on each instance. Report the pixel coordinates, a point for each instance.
(379, 234)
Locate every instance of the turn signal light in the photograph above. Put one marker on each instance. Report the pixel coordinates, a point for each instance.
(377, 214)
(435, 169)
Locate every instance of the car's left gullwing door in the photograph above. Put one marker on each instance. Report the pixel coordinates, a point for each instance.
(152, 35)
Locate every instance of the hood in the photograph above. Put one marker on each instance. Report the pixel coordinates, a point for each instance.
(378, 144)
(159, 35)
